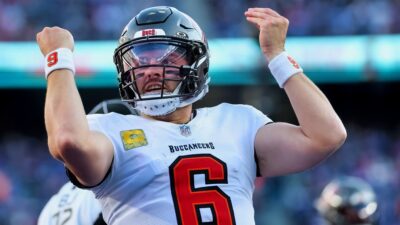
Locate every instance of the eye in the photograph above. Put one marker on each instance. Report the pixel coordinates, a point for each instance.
(174, 59)
(137, 73)
(173, 72)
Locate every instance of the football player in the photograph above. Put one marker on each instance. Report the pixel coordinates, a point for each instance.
(71, 206)
(174, 164)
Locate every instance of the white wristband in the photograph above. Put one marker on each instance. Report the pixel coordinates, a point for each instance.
(283, 67)
(60, 58)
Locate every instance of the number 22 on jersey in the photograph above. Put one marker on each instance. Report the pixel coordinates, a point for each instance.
(188, 200)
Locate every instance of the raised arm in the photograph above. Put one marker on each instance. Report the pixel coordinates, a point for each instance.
(284, 148)
(87, 154)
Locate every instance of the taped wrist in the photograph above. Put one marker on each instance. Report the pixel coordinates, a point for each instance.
(61, 58)
(282, 67)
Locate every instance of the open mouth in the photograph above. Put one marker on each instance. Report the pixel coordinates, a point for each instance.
(154, 88)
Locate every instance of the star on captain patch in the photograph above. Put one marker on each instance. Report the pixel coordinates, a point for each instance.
(133, 138)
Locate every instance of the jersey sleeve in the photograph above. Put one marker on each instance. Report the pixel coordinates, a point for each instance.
(252, 120)
(109, 125)
(258, 119)
(93, 122)
(94, 125)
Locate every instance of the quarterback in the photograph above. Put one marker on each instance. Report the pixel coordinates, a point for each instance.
(174, 164)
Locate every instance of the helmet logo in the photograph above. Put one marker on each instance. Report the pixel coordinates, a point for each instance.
(149, 32)
(182, 35)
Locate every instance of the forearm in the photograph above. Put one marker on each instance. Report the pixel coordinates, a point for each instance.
(65, 116)
(316, 116)
(87, 154)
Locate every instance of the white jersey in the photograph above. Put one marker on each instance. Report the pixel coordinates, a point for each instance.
(70, 206)
(169, 174)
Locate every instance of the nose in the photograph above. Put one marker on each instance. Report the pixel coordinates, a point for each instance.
(150, 71)
(153, 71)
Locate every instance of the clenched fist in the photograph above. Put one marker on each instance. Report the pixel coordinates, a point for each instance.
(52, 38)
(273, 29)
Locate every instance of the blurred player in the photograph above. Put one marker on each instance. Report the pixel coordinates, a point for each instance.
(71, 206)
(174, 164)
(348, 201)
(75, 206)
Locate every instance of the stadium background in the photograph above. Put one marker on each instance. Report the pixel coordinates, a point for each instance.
(368, 104)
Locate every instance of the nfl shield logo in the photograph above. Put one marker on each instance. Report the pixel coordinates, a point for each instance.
(185, 130)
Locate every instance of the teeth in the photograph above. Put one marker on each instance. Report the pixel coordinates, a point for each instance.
(153, 87)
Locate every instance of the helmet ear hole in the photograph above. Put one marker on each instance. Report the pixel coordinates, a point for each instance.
(185, 71)
(197, 51)
(205, 70)
(191, 86)
(189, 82)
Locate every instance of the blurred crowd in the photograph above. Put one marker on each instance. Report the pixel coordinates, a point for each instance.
(20, 20)
(29, 176)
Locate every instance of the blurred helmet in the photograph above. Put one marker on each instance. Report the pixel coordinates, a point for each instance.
(113, 105)
(348, 200)
(169, 35)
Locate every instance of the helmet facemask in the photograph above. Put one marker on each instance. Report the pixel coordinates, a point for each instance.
(157, 74)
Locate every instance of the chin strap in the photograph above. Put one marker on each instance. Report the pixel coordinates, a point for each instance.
(158, 107)
(164, 106)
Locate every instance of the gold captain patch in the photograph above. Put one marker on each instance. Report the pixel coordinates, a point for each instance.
(133, 138)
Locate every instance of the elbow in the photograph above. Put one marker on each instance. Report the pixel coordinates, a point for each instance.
(333, 140)
(340, 137)
(63, 145)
